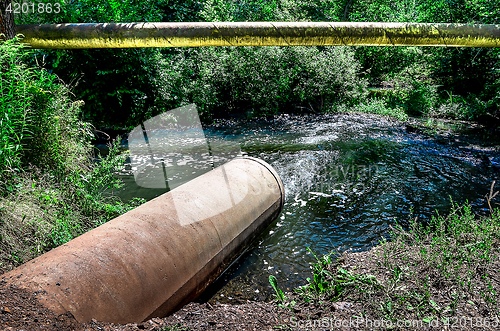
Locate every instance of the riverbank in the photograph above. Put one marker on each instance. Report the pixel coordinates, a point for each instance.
(26, 314)
(19, 311)
(445, 275)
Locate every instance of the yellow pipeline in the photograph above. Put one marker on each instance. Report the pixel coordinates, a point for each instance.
(197, 34)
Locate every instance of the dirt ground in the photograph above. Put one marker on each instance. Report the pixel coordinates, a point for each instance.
(19, 310)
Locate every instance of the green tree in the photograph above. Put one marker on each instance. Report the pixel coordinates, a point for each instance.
(119, 86)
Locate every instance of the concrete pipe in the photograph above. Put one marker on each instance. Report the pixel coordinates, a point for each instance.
(154, 259)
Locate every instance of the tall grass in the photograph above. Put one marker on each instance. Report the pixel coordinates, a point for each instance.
(39, 121)
(15, 102)
(51, 190)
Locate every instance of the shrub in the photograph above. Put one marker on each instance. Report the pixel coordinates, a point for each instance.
(264, 80)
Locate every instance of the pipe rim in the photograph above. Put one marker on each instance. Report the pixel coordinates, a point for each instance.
(273, 172)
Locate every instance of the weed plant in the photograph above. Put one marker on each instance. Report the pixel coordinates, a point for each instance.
(280, 296)
(336, 285)
(51, 190)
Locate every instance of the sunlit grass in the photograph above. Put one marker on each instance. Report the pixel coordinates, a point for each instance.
(375, 106)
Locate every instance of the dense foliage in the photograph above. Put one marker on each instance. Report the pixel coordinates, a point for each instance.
(50, 189)
(123, 87)
(44, 130)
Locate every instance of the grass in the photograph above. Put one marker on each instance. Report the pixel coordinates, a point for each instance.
(41, 211)
(51, 190)
(441, 271)
(375, 106)
(436, 271)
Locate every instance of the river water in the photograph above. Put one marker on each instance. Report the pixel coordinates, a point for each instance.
(347, 179)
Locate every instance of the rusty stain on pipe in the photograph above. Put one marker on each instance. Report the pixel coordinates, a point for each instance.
(197, 34)
(161, 255)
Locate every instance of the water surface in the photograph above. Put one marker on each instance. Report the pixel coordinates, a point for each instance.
(347, 179)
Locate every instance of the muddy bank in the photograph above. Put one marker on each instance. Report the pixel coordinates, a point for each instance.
(20, 311)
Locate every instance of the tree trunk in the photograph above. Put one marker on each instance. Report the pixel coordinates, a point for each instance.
(7, 30)
(346, 10)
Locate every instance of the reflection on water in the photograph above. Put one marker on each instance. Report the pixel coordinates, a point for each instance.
(170, 149)
(347, 178)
